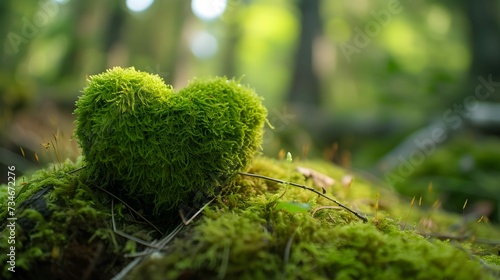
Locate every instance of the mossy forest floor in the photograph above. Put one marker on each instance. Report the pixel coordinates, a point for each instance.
(254, 229)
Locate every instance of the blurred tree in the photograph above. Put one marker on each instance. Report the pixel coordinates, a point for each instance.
(233, 34)
(305, 87)
(484, 36)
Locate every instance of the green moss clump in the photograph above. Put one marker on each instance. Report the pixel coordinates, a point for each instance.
(165, 147)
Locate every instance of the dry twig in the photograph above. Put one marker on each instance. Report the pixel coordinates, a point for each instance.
(363, 218)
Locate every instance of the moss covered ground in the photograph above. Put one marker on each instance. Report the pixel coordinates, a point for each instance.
(253, 229)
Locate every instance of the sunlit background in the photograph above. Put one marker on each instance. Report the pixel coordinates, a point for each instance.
(363, 84)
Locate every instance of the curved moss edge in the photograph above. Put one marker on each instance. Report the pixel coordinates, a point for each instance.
(143, 139)
(241, 235)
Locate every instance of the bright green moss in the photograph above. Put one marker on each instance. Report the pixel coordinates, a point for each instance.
(141, 138)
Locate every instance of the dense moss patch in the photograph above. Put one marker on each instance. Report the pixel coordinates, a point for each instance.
(242, 234)
(62, 228)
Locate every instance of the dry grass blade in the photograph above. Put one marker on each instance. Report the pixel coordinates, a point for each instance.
(123, 234)
(155, 247)
(286, 255)
(195, 214)
(55, 144)
(225, 262)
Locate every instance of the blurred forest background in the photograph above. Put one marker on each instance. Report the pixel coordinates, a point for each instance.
(407, 91)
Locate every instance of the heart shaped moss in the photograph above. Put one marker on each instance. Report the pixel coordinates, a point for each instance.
(158, 146)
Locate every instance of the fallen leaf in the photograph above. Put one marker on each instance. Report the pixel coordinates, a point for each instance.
(347, 180)
(319, 179)
(293, 207)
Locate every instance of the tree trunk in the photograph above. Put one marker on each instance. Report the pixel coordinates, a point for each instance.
(305, 89)
(484, 43)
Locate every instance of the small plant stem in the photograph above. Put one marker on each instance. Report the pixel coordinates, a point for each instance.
(363, 218)
(409, 211)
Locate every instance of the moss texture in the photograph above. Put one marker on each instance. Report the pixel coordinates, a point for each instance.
(163, 146)
(246, 236)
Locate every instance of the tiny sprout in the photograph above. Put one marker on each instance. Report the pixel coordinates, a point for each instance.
(281, 154)
(409, 211)
(481, 219)
(289, 157)
(376, 205)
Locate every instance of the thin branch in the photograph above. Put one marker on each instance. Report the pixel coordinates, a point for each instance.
(363, 218)
(76, 170)
(132, 209)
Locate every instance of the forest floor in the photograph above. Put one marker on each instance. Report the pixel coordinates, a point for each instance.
(253, 229)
